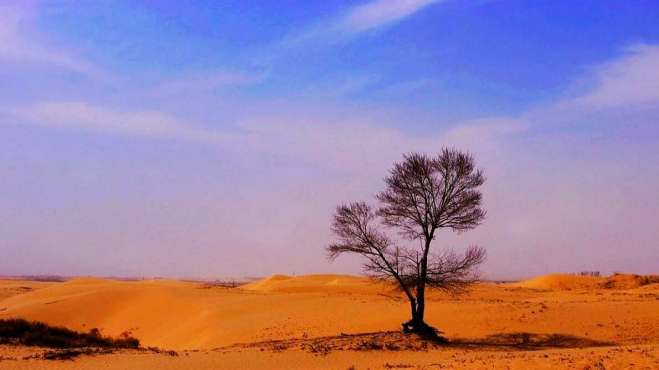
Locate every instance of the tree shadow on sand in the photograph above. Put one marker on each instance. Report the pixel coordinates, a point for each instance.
(399, 341)
(527, 341)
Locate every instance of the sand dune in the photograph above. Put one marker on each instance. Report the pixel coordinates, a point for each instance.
(317, 284)
(575, 282)
(180, 315)
(195, 316)
(11, 287)
(561, 282)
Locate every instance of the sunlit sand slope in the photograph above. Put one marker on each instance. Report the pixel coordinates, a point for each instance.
(187, 315)
(575, 282)
(318, 284)
(175, 314)
(12, 287)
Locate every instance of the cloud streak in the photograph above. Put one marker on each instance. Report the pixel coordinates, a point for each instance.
(77, 115)
(17, 49)
(628, 81)
(370, 16)
(208, 81)
(631, 80)
(379, 13)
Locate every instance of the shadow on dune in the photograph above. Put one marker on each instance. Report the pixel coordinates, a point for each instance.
(528, 341)
(398, 341)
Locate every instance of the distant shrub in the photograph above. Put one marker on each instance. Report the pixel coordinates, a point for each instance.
(44, 278)
(589, 273)
(319, 348)
(222, 284)
(163, 351)
(367, 345)
(34, 333)
(397, 366)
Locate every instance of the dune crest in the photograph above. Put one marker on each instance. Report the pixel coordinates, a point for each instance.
(579, 282)
(190, 315)
(321, 283)
(180, 315)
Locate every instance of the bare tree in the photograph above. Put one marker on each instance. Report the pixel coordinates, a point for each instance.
(423, 195)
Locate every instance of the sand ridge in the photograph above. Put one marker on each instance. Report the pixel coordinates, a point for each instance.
(576, 282)
(321, 283)
(204, 318)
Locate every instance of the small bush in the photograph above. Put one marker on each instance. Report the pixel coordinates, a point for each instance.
(163, 351)
(34, 333)
(589, 273)
(279, 347)
(319, 348)
(368, 345)
(397, 366)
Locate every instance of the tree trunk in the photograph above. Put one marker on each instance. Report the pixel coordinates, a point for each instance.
(418, 316)
(417, 323)
(413, 306)
(418, 306)
(420, 301)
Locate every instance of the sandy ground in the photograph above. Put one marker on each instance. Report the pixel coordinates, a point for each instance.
(339, 322)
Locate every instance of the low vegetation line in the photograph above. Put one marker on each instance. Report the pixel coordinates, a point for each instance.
(34, 333)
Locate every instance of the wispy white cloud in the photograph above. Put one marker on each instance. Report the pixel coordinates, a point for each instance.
(631, 80)
(408, 87)
(17, 48)
(369, 16)
(359, 143)
(289, 133)
(485, 131)
(343, 86)
(208, 80)
(627, 81)
(77, 115)
(379, 13)
(313, 159)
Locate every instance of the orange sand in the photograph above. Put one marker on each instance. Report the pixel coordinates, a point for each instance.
(202, 322)
(574, 282)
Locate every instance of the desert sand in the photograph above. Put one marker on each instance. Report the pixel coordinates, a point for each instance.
(342, 322)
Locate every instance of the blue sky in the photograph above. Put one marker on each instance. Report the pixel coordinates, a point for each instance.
(205, 139)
